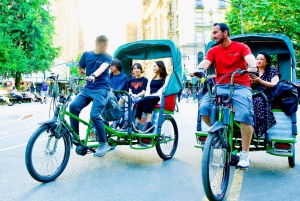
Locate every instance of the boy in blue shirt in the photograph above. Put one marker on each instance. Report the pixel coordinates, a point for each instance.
(118, 80)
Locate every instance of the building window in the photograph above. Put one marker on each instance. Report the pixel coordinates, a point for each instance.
(170, 9)
(199, 37)
(199, 18)
(171, 24)
(199, 4)
(222, 4)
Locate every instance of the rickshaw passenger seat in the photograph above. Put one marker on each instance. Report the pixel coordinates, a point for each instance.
(169, 103)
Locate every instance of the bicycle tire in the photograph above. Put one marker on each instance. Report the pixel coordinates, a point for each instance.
(167, 141)
(292, 159)
(215, 184)
(42, 164)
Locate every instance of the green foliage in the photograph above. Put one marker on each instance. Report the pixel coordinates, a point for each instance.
(74, 70)
(26, 39)
(266, 16)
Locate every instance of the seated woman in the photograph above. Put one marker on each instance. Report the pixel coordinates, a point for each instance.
(30, 95)
(137, 89)
(152, 97)
(268, 77)
(15, 93)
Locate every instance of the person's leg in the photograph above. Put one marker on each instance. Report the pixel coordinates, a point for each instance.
(99, 102)
(243, 105)
(19, 98)
(205, 109)
(149, 103)
(139, 110)
(138, 114)
(76, 106)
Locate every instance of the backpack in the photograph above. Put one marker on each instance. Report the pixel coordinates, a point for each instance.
(285, 94)
(112, 110)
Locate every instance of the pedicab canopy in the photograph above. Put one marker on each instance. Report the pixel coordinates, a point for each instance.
(153, 49)
(272, 44)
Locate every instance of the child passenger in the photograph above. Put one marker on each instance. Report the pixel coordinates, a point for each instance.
(137, 89)
(152, 97)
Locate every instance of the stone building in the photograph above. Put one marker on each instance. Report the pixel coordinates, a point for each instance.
(69, 34)
(187, 23)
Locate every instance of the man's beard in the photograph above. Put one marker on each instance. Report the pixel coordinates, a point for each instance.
(220, 41)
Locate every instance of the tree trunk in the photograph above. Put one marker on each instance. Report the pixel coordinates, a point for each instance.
(18, 79)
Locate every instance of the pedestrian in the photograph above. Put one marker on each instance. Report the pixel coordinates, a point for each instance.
(95, 65)
(44, 92)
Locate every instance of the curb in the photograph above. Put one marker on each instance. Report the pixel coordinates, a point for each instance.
(22, 117)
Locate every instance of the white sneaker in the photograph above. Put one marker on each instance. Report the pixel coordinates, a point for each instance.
(244, 161)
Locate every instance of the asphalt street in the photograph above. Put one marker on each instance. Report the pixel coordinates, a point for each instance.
(126, 174)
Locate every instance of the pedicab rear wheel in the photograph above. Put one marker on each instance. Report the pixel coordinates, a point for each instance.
(215, 168)
(167, 141)
(292, 159)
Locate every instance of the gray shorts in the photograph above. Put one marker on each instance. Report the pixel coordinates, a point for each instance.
(241, 100)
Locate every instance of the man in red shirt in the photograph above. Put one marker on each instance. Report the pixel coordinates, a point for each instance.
(228, 56)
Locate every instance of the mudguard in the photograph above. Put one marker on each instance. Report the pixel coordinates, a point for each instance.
(216, 126)
(50, 123)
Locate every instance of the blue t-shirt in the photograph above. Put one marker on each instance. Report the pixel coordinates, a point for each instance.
(137, 85)
(44, 86)
(91, 62)
(118, 82)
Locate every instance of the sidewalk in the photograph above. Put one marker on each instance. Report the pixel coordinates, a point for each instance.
(17, 112)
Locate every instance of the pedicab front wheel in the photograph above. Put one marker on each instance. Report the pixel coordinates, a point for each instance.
(167, 141)
(215, 168)
(46, 157)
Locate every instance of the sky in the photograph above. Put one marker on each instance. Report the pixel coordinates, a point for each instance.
(107, 17)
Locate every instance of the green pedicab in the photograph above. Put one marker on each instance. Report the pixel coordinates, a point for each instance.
(221, 142)
(48, 149)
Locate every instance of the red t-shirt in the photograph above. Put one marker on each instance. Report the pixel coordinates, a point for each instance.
(230, 59)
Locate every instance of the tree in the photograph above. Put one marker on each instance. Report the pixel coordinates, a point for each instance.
(266, 16)
(27, 34)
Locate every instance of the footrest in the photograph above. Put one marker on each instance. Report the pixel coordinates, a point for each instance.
(141, 146)
(144, 135)
(277, 152)
(201, 133)
(283, 140)
(199, 146)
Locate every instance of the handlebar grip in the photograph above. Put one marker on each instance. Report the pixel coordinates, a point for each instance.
(199, 74)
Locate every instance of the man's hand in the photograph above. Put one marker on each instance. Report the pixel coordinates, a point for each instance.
(81, 71)
(200, 73)
(91, 78)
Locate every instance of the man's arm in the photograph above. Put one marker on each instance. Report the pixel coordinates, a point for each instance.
(251, 61)
(205, 64)
(98, 72)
